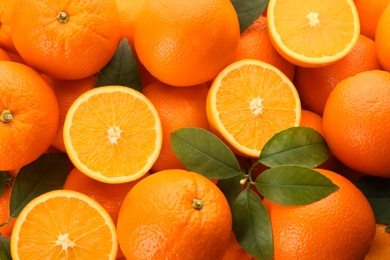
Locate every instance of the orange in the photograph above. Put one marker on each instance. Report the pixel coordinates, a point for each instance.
(184, 42)
(28, 115)
(313, 33)
(249, 102)
(113, 134)
(174, 214)
(6, 230)
(380, 248)
(369, 13)
(5, 25)
(128, 12)
(69, 224)
(235, 251)
(356, 125)
(5, 55)
(66, 92)
(65, 39)
(256, 44)
(311, 119)
(340, 226)
(382, 39)
(315, 84)
(177, 108)
(110, 196)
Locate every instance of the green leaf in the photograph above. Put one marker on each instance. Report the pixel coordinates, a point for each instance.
(5, 253)
(203, 152)
(295, 146)
(388, 229)
(252, 226)
(377, 192)
(248, 11)
(231, 188)
(3, 181)
(121, 70)
(294, 185)
(47, 173)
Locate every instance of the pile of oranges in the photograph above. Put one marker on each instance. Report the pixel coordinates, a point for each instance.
(321, 64)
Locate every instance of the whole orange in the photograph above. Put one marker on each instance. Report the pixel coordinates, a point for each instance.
(28, 115)
(369, 13)
(340, 226)
(256, 44)
(174, 214)
(184, 42)
(110, 196)
(6, 230)
(5, 28)
(382, 39)
(315, 84)
(356, 124)
(177, 108)
(380, 248)
(65, 39)
(66, 92)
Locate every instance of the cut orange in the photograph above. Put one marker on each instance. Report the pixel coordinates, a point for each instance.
(63, 224)
(250, 101)
(313, 33)
(113, 134)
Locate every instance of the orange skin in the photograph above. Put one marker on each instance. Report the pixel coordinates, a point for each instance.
(235, 251)
(34, 109)
(5, 55)
(382, 39)
(158, 219)
(163, 45)
(66, 92)
(5, 28)
(330, 228)
(6, 230)
(177, 107)
(256, 44)
(369, 13)
(380, 248)
(356, 125)
(65, 39)
(315, 84)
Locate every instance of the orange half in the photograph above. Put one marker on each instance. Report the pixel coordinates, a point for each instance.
(249, 102)
(63, 224)
(113, 134)
(313, 33)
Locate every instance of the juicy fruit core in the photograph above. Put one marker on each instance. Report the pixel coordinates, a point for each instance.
(313, 18)
(113, 134)
(6, 116)
(62, 17)
(256, 106)
(64, 241)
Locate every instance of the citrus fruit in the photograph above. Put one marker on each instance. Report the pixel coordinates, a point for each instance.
(113, 134)
(315, 84)
(5, 28)
(65, 39)
(184, 42)
(382, 39)
(177, 108)
(380, 248)
(174, 214)
(369, 13)
(63, 224)
(256, 44)
(5, 55)
(66, 92)
(356, 125)
(28, 115)
(331, 228)
(6, 230)
(235, 251)
(250, 101)
(313, 33)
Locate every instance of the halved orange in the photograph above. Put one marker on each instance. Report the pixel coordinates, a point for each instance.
(250, 101)
(313, 33)
(113, 134)
(63, 224)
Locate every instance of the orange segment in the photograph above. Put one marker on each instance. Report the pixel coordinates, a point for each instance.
(250, 101)
(63, 224)
(313, 33)
(113, 134)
